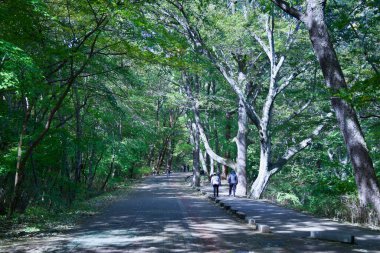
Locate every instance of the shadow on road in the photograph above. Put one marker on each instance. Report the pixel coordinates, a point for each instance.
(162, 215)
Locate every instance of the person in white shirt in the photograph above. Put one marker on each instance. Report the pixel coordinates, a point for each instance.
(215, 182)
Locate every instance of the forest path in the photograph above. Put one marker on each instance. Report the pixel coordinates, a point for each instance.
(162, 215)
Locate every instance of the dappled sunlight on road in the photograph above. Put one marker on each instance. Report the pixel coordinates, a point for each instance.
(111, 237)
(162, 215)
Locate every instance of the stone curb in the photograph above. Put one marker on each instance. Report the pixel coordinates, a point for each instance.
(212, 198)
(335, 236)
(250, 220)
(261, 228)
(241, 215)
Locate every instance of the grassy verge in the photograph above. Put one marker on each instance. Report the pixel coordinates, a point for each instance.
(42, 221)
(339, 208)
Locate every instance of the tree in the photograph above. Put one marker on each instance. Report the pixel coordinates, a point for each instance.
(79, 51)
(314, 20)
(75, 71)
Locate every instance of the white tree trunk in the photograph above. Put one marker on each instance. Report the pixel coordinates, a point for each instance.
(196, 158)
(211, 166)
(203, 162)
(241, 143)
(264, 175)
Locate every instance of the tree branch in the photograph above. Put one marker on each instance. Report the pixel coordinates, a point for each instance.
(252, 114)
(195, 37)
(288, 9)
(292, 151)
(202, 134)
(296, 113)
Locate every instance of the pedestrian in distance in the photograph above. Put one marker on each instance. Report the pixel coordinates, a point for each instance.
(216, 182)
(232, 182)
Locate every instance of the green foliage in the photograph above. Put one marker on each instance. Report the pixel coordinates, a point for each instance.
(17, 70)
(7, 161)
(286, 198)
(143, 171)
(126, 103)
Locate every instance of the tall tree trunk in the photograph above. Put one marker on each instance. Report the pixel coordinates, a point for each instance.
(91, 167)
(78, 137)
(365, 176)
(91, 179)
(162, 154)
(170, 142)
(227, 135)
(212, 166)
(110, 172)
(20, 165)
(169, 160)
(208, 162)
(150, 155)
(364, 171)
(241, 143)
(263, 177)
(22, 160)
(2, 201)
(196, 158)
(65, 170)
(202, 160)
(34, 172)
(215, 133)
(198, 133)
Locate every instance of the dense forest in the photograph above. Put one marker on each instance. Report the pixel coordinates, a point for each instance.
(94, 93)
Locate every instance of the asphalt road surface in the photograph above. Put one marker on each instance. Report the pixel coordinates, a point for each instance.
(163, 215)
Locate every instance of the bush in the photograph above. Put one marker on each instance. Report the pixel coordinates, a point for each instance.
(288, 198)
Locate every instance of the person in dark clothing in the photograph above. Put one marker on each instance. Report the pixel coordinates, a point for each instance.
(232, 182)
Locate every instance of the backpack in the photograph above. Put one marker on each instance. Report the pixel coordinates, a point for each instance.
(232, 179)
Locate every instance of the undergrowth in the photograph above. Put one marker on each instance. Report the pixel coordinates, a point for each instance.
(344, 208)
(41, 220)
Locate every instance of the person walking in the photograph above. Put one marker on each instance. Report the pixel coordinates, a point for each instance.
(232, 182)
(215, 182)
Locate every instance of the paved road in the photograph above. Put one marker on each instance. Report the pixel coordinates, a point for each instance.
(162, 215)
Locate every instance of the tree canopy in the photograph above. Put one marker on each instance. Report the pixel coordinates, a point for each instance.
(93, 93)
